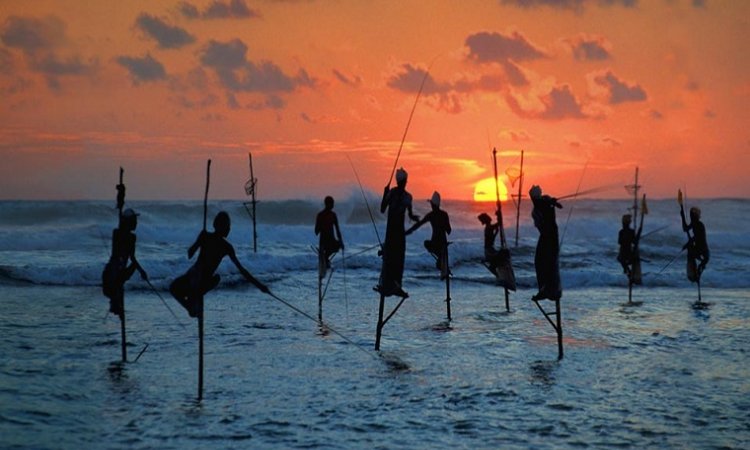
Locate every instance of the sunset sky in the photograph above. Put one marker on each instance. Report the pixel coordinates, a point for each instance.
(158, 87)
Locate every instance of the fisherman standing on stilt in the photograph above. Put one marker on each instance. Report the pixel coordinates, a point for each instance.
(626, 238)
(325, 224)
(491, 255)
(441, 228)
(697, 247)
(547, 257)
(398, 202)
(190, 288)
(117, 271)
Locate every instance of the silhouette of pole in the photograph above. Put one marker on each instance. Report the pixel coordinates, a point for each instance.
(379, 330)
(120, 204)
(200, 306)
(520, 193)
(253, 180)
(447, 284)
(503, 243)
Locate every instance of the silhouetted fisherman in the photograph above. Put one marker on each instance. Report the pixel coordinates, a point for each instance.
(547, 257)
(325, 224)
(491, 255)
(190, 288)
(117, 271)
(441, 228)
(697, 246)
(398, 202)
(628, 239)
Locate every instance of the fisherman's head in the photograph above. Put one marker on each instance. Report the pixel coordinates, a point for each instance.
(129, 219)
(435, 200)
(695, 213)
(222, 224)
(484, 218)
(328, 201)
(626, 219)
(401, 177)
(535, 191)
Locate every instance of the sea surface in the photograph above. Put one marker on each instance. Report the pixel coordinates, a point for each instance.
(655, 374)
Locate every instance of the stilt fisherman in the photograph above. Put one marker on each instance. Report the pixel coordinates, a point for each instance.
(398, 202)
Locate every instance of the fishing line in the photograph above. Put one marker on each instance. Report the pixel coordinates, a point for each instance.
(570, 212)
(411, 115)
(369, 211)
(299, 311)
(164, 302)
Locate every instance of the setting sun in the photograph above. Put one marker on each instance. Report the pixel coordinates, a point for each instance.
(484, 190)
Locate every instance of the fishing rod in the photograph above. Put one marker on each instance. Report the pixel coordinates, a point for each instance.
(594, 190)
(411, 115)
(654, 231)
(570, 211)
(364, 197)
(299, 311)
(164, 302)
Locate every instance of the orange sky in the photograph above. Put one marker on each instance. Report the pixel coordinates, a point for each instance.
(158, 87)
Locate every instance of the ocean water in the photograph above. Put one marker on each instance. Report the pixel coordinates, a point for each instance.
(659, 375)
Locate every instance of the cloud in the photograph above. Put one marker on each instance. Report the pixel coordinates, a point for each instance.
(353, 82)
(619, 91)
(31, 35)
(233, 9)
(559, 103)
(165, 35)
(143, 69)
(270, 102)
(7, 64)
(409, 79)
(236, 73)
(590, 48)
(51, 65)
(572, 5)
(516, 135)
(485, 47)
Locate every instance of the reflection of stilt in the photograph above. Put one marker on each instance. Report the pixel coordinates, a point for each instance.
(557, 325)
(122, 332)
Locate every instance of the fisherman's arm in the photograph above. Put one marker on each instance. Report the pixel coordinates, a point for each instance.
(338, 231)
(248, 276)
(136, 264)
(196, 245)
(418, 224)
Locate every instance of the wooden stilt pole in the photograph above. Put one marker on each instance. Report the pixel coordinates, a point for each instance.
(379, 329)
(122, 332)
(556, 325)
(254, 181)
(120, 205)
(559, 330)
(507, 300)
(200, 313)
(518, 204)
(447, 273)
(200, 351)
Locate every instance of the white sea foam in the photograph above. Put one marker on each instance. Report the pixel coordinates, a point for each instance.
(67, 243)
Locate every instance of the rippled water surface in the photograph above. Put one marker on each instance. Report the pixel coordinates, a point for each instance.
(658, 375)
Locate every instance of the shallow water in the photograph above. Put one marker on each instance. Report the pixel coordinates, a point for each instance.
(656, 375)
